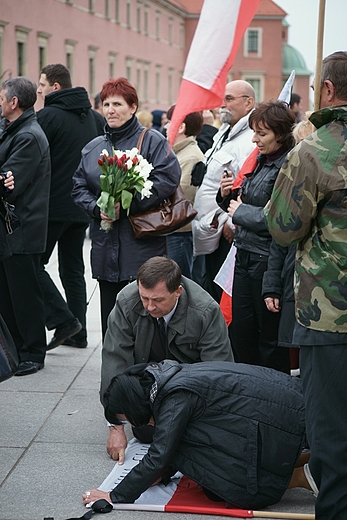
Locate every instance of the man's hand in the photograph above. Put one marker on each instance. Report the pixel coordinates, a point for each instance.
(272, 304)
(116, 443)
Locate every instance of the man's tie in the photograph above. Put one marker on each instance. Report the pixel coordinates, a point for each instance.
(162, 328)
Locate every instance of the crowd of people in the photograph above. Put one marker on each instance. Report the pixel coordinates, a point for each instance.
(170, 364)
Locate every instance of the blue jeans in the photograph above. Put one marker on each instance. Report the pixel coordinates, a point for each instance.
(180, 249)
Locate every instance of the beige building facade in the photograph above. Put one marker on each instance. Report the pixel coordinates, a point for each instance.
(146, 41)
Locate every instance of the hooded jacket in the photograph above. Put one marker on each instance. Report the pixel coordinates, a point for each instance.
(237, 430)
(69, 124)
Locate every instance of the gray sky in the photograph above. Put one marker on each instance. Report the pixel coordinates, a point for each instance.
(303, 20)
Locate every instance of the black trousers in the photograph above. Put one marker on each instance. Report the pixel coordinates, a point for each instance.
(254, 329)
(323, 371)
(108, 295)
(69, 237)
(21, 305)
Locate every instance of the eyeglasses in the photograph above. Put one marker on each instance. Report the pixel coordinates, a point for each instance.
(232, 98)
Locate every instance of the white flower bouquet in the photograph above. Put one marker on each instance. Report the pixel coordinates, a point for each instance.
(123, 175)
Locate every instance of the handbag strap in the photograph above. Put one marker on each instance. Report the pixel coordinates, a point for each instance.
(140, 139)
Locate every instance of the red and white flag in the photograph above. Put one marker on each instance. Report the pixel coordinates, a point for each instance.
(221, 26)
(181, 495)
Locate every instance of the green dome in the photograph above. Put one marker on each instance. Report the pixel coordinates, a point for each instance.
(292, 59)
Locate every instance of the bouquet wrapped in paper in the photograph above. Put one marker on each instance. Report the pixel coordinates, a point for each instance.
(123, 175)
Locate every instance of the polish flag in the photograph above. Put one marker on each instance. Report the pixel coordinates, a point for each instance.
(181, 495)
(221, 26)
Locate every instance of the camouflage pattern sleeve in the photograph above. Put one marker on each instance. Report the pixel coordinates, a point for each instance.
(293, 204)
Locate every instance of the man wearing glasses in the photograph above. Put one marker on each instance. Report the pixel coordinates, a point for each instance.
(212, 228)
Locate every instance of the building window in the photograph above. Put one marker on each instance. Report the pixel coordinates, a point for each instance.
(171, 31)
(42, 40)
(129, 14)
(170, 86)
(116, 11)
(128, 68)
(145, 82)
(107, 9)
(157, 25)
(92, 58)
(112, 65)
(253, 43)
(182, 34)
(138, 18)
(157, 83)
(69, 55)
(138, 78)
(21, 39)
(2, 72)
(257, 82)
(146, 17)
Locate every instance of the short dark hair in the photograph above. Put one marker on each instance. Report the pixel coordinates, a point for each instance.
(160, 269)
(334, 68)
(294, 98)
(129, 394)
(276, 116)
(120, 87)
(23, 89)
(57, 73)
(193, 121)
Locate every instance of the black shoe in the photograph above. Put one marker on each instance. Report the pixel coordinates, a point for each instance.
(64, 331)
(28, 367)
(71, 342)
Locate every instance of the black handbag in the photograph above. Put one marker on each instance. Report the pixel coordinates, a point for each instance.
(8, 353)
(173, 213)
(8, 216)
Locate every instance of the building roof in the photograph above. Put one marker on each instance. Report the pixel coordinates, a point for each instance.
(266, 7)
(270, 8)
(191, 6)
(292, 59)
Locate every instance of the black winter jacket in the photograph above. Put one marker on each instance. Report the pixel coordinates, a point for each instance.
(69, 124)
(235, 429)
(278, 282)
(251, 232)
(116, 256)
(25, 151)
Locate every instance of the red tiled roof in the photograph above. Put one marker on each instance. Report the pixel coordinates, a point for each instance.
(266, 7)
(269, 8)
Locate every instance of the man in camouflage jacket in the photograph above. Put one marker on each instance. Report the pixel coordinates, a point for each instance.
(308, 207)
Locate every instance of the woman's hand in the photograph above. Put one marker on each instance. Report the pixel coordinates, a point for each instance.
(105, 217)
(95, 494)
(9, 181)
(226, 184)
(272, 304)
(234, 204)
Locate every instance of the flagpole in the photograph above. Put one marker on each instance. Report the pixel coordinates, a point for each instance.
(319, 57)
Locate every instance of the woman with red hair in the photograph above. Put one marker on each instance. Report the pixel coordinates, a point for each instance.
(117, 255)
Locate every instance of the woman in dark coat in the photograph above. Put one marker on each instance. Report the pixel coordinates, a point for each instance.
(235, 429)
(116, 255)
(254, 329)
